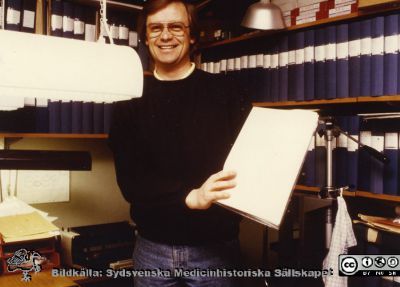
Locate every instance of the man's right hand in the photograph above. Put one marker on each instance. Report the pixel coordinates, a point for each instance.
(213, 189)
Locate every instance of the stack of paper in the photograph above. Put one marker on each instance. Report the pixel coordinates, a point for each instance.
(20, 221)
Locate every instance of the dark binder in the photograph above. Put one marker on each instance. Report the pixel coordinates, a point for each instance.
(68, 19)
(352, 151)
(90, 24)
(377, 142)
(275, 73)
(341, 174)
(108, 109)
(79, 22)
(354, 59)
(299, 66)
(365, 58)
(57, 18)
(330, 62)
(87, 117)
(291, 67)
(144, 55)
(364, 163)
(76, 117)
(391, 55)
(283, 68)
(342, 53)
(66, 121)
(267, 74)
(377, 28)
(13, 15)
(42, 116)
(320, 78)
(320, 161)
(309, 165)
(309, 64)
(98, 118)
(28, 16)
(54, 116)
(391, 169)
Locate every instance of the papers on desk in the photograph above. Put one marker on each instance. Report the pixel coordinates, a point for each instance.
(20, 221)
(267, 156)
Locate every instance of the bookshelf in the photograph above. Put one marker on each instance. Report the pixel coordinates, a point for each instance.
(53, 136)
(378, 6)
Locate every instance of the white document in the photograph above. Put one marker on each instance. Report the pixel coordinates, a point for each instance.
(267, 156)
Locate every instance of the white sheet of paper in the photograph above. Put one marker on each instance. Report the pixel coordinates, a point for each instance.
(37, 186)
(267, 156)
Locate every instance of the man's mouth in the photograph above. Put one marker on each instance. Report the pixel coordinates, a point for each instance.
(167, 47)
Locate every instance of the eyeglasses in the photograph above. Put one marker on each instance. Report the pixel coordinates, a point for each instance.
(154, 30)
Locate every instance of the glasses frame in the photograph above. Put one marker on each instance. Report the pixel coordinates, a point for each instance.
(165, 25)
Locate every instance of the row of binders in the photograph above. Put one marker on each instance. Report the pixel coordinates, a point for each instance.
(352, 164)
(355, 59)
(70, 20)
(70, 117)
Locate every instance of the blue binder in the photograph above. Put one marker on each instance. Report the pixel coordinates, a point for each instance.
(342, 76)
(28, 16)
(391, 55)
(283, 69)
(66, 117)
(54, 116)
(309, 58)
(352, 151)
(57, 18)
(267, 77)
(13, 15)
(76, 117)
(376, 165)
(319, 52)
(391, 169)
(354, 59)
(365, 58)
(377, 28)
(299, 67)
(330, 63)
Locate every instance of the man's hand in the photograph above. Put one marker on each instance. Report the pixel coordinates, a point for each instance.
(211, 190)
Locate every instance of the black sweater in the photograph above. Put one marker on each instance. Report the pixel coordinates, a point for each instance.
(169, 142)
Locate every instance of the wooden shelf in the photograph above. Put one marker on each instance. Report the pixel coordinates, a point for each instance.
(356, 105)
(148, 73)
(54, 136)
(365, 194)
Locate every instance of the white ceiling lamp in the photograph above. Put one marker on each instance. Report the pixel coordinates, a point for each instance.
(55, 68)
(264, 15)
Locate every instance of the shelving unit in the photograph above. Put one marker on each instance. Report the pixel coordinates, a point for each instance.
(53, 136)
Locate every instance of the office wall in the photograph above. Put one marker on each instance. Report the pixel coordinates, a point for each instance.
(94, 195)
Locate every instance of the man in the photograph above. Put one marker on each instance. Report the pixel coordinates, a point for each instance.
(169, 148)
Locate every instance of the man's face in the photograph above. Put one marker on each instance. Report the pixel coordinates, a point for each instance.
(171, 47)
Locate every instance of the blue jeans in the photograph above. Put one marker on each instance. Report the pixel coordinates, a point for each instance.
(192, 266)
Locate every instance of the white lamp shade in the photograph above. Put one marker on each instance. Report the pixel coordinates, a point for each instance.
(264, 16)
(56, 68)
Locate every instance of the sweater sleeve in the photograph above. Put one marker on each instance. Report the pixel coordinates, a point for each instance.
(138, 179)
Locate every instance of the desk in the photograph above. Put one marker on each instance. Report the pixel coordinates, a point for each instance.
(40, 279)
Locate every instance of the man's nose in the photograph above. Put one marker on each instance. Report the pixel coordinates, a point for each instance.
(165, 34)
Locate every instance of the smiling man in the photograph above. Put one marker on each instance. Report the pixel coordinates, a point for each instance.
(169, 149)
